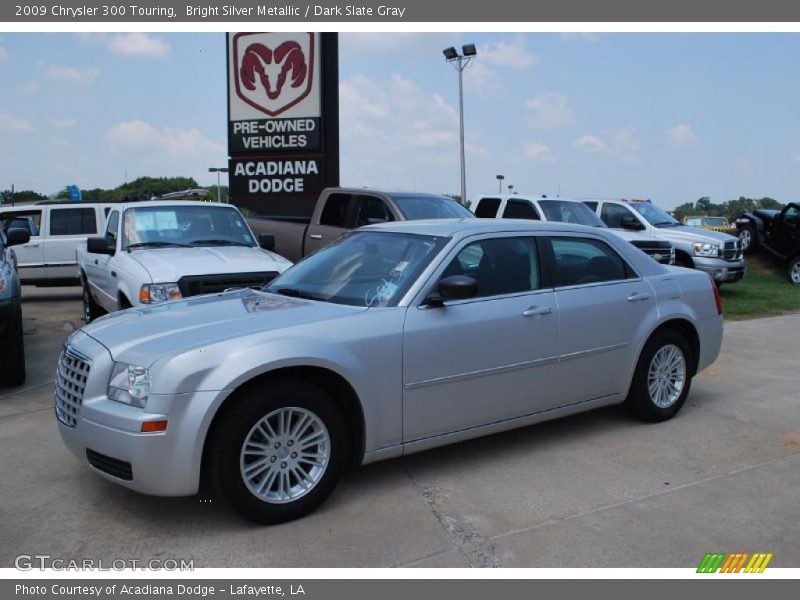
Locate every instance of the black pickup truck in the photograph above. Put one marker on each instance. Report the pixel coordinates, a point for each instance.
(777, 232)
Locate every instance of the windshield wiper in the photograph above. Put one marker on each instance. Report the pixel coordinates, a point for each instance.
(156, 245)
(666, 224)
(220, 242)
(295, 293)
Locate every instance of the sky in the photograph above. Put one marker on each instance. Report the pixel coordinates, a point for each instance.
(671, 117)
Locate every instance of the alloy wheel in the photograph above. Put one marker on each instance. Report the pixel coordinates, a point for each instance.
(666, 376)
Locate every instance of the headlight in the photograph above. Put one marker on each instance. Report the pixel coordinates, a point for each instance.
(153, 293)
(129, 384)
(706, 249)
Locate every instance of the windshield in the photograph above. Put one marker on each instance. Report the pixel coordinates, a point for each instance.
(176, 226)
(715, 222)
(570, 212)
(653, 215)
(365, 268)
(416, 208)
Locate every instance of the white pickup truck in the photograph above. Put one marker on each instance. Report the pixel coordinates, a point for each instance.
(153, 252)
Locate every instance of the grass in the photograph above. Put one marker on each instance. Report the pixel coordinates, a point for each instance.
(764, 291)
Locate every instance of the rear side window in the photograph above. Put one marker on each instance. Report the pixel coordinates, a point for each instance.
(612, 215)
(371, 210)
(334, 214)
(30, 220)
(73, 221)
(592, 205)
(579, 261)
(487, 208)
(520, 209)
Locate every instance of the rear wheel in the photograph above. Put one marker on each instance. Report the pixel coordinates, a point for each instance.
(91, 310)
(748, 239)
(12, 353)
(794, 270)
(662, 379)
(278, 452)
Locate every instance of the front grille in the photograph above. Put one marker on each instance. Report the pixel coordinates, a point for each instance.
(195, 285)
(112, 466)
(732, 250)
(662, 252)
(71, 374)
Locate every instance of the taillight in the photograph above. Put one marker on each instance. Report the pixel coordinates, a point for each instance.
(717, 297)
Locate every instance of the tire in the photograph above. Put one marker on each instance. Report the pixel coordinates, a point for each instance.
(91, 310)
(748, 238)
(666, 345)
(12, 354)
(794, 270)
(274, 494)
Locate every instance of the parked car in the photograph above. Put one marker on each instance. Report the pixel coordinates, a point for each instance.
(718, 254)
(56, 229)
(338, 210)
(777, 232)
(565, 210)
(392, 340)
(153, 252)
(710, 223)
(12, 346)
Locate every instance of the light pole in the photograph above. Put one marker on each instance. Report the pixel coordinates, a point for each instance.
(460, 62)
(500, 183)
(218, 170)
(510, 189)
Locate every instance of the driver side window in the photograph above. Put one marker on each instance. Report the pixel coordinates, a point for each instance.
(500, 265)
(111, 228)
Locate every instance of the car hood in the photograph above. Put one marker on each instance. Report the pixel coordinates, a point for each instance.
(682, 233)
(143, 335)
(168, 265)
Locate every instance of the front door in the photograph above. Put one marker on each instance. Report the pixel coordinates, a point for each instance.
(487, 358)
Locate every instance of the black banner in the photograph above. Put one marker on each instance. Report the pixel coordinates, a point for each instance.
(277, 135)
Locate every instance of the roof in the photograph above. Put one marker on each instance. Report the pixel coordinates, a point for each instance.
(467, 226)
(167, 203)
(525, 197)
(367, 190)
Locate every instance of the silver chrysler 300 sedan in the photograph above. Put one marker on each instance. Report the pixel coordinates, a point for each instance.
(397, 338)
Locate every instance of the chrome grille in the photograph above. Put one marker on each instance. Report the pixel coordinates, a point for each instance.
(732, 250)
(71, 374)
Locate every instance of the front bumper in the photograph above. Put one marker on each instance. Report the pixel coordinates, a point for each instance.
(721, 271)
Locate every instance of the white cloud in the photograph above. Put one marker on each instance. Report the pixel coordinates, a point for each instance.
(549, 111)
(513, 54)
(626, 142)
(537, 151)
(586, 36)
(681, 134)
(140, 136)
(63, 122)
(3, 53)
(80, 76)
(138, 44)
(12, 124)
(28, 89)
(591, 143)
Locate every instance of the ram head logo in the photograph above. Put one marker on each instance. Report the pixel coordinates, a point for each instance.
(273, 73)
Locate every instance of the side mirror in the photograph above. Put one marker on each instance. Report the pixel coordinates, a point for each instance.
(455, 287)
(631, 222)
(17, 236)
(267, 241)
(99, 245)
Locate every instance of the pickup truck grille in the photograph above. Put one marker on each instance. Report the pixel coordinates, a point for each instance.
(195, 285)
(71, 375)
(661, 252)
(732, 250)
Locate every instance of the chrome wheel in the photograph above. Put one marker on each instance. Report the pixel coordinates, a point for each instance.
(745, 237)
(666, 376)
(285, 455)
(794, 272)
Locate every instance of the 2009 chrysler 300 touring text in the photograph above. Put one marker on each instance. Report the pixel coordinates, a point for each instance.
(398, 337)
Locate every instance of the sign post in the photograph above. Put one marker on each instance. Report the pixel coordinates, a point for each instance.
(283, 120)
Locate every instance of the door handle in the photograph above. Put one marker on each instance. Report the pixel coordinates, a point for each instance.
(536, 311)
(315, 236)
(638, 297)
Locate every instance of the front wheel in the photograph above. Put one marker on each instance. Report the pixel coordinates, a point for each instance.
(91, 310)
(748, 239)
(278, 451)
(662, 378)
(794, 270)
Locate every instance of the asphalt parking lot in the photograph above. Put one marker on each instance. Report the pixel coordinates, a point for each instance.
(595, 490)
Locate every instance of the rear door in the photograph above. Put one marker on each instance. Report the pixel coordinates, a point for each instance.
(30, 257)
(67, 227)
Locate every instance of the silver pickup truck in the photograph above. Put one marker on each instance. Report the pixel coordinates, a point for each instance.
(397, 338)
(339, 210)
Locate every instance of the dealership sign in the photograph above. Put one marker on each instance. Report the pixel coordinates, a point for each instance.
(282, 118)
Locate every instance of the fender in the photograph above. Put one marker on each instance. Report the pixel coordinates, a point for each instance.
(754, 220)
